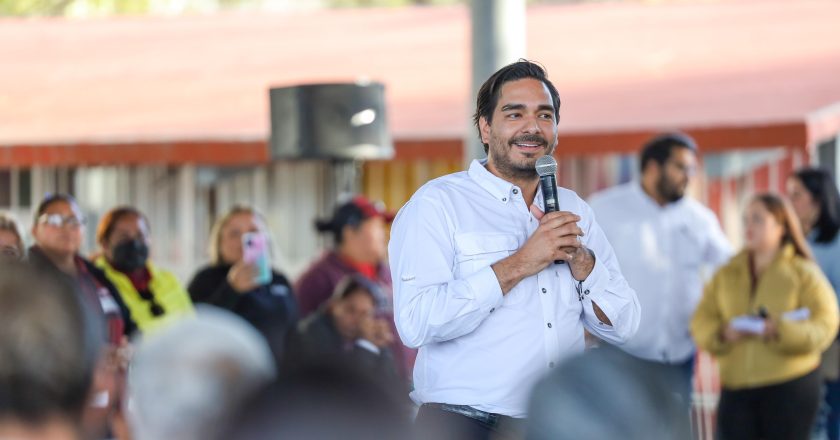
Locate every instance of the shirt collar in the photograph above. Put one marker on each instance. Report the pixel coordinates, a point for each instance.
(499, 188)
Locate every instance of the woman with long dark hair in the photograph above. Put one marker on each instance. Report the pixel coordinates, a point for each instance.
(767, 315)
(816, 201)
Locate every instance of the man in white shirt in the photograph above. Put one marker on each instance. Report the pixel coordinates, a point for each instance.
(666, 244)
(476, 288)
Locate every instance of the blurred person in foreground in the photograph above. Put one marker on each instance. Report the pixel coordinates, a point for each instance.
(49, 344)
(358, 230)
(767, 315)
(57, 232)
(152, 295)
(476, 286)
(11, 239)
(350, 328)
(606, 394)
(814, 197)
(664, 242)
(322, 401)
(189, 377)
(230, 282)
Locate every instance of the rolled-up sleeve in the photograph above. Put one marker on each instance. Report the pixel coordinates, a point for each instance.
(430, 304)
(607, 287)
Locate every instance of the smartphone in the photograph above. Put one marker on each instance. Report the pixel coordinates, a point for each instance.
(255, 251)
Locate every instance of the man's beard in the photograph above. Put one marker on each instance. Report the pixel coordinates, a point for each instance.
(513, 170)
(668, 191)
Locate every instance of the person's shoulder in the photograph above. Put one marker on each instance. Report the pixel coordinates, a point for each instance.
(437, 193)
(442, 185)
(701, 211)
(612, 194)
(209, 274)
(315, 271)
(279, 279)
(93, 269)
(736, 264)
(805, 267)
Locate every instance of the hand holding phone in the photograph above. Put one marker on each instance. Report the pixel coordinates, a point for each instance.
(255, 252)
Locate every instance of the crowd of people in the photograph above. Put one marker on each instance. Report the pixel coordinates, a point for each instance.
(174, 360)
(472, 322)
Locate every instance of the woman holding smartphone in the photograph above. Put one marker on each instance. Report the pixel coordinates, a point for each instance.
(239, 277)
(766, 316)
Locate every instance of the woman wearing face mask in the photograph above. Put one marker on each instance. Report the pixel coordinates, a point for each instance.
(816, 201)
(153, 295)
(767, 315)
(236, 284)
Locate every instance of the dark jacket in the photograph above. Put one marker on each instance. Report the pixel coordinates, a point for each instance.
(271, 308)
(318, 340)
(318, 283)
(43, 264)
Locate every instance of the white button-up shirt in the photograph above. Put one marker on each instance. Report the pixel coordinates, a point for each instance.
(479, 347)
(665, 253)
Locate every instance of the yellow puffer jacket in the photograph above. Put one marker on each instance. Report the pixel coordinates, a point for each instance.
(165, 287)
(789, 283)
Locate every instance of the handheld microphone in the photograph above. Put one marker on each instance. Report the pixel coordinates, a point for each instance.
(547, 169)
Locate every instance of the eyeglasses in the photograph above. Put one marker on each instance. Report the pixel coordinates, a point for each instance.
(154, 307)
(58, 220)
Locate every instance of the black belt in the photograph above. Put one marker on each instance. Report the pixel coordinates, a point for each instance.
(490, 419)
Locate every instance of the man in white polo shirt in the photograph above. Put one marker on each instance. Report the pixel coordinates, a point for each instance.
(666, 244)
(476, 286)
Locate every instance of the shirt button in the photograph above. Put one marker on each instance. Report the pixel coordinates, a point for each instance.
(586, 292)
(492, 310)
(515, 191)
(549, 325)
(551, 365)
(504, 199)
(543, 290)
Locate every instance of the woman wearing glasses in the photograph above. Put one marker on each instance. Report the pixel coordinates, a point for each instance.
(153, 296)
(11, 239)
(58, 233)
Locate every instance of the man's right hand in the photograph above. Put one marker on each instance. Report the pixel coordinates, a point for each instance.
(242, 277)
(555, 238)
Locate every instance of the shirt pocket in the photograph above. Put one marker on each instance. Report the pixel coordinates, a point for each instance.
(475, 251)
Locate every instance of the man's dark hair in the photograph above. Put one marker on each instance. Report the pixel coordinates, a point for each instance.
(488, 95)
(820, 184)
(49, 343)
(659, 148)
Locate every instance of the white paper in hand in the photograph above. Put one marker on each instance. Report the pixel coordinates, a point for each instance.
(748, 324)
(800, 314)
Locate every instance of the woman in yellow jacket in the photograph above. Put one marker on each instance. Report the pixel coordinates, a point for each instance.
(767, 315)
(153, 295)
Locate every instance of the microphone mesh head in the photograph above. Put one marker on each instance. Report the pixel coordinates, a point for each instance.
(546, 166)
